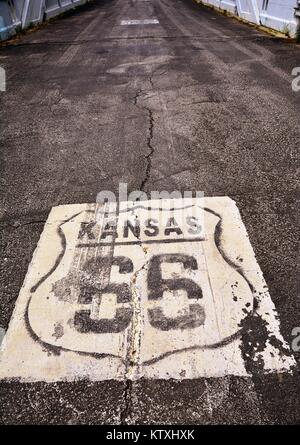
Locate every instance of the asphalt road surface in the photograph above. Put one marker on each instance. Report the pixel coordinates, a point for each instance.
(197, 101)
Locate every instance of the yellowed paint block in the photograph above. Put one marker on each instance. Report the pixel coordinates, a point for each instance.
(154, 289)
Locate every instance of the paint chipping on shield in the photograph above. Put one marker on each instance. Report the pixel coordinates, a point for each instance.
(58, 331)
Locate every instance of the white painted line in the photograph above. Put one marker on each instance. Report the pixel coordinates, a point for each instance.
(139, 22)
(160, 289)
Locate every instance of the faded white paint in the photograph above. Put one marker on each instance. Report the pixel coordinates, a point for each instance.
(140, 22)
(204, 311)
(2, 334)
(2, 79)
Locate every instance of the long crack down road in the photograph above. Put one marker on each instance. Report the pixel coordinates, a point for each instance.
(161, 306)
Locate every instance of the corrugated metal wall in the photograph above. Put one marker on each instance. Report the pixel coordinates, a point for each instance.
(16, 14)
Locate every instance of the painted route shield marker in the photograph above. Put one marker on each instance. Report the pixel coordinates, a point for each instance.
(154, 289)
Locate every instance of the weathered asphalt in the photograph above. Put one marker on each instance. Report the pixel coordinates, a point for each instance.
(82, 95)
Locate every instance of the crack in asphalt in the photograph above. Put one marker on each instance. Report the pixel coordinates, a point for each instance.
(14, 45)
(137, 96)
(133, 353)
(125, 413)
(17, 225)
(150, 146)
(127, 395)
(151, 81)
(148, 157)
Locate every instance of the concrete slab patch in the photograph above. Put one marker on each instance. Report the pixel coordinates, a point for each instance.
(139, 22)
(155, 289)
